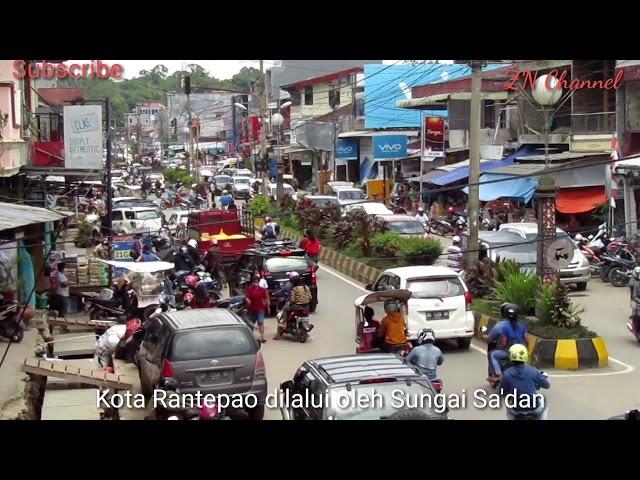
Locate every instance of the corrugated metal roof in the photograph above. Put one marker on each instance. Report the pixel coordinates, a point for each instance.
(440, 99)
(14, 216)
(378, 133)
(582, 176)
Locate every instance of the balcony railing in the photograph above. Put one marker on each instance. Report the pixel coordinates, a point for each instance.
(593, 123)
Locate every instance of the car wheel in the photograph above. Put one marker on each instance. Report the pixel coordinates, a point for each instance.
(302, 337)
(312, 307)
(464, 343)
(256, 413)
(582, 286)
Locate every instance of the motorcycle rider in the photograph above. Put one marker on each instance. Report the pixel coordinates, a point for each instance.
(393, 330)
(148, 255)
(270, 229)
(454, 254)
(192, 247)
(524, 380)
(508, 332)
(182, 260)
(422, 217)
(426, 356)
(299, 299)
(368, 330)
(201, 297)
(225, 199)
(102, 250)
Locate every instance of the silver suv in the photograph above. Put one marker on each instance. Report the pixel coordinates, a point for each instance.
(209, 350)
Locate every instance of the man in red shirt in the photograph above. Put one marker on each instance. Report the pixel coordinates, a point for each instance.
(257, 299)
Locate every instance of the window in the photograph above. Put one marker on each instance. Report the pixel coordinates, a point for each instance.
(308, 95)
(154, 341)
(130, 215)
(383, 283)
(351, 195)
(394, 282)
(632, 107)
(281, 264)
(490, 115)
(359, 105)
(147, 215)
(217, 343)
(334, 98)
(295, 98)
(435, 287)
(130, 120)
(117, 215)
(407, 228)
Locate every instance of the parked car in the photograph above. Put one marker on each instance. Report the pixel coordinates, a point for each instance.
(323, 201)
(440, 300)
(348, 195)
(370, 208)
(578, 272)
(243, 172)
(288, 190)
(153, 177)
(274, 260)
(131, 220)
(241, 187)
(211, 351)
(179, 220)
(504, 245)
(404, 225)
(358, 377)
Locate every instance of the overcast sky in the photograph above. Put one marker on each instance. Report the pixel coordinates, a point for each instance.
(222, 69)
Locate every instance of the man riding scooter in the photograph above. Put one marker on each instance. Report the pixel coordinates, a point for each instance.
(524, 381)
(299, 298)
(426, 356)
(505, 334)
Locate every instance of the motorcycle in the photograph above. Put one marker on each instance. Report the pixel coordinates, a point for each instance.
(634, 325)
(397, 209)
(196, 201)
(298, 322)
(115, 309)
(620, 268)
(440, 227)
(11, 325)
(175, 202)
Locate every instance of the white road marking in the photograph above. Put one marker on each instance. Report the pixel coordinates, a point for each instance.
(628, 368)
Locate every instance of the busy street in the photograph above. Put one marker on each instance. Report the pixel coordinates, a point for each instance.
(270, 246)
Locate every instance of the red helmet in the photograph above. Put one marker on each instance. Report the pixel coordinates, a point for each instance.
(188, 297)
(450, 209)
(209, 413)
(191, 280)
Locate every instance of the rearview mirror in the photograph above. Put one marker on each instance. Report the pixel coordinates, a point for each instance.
(288, 385)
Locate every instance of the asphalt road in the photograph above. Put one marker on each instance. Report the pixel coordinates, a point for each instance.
(586, 394)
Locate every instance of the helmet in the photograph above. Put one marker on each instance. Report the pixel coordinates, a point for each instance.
(426, 335)
(191, 280)
(194, 185)
(455, 239)
(293, 275)
(578, 238)
(420, 210)
(169, 383)
(391, 306)
(225, 192)
(208, 413)
(113, 341)
(188, 297)
(192, 243)
(636, 273)
(518, 353)
(509, 311)
(184, 249)
(450, 210)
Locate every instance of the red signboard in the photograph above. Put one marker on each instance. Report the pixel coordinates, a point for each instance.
(434, 132)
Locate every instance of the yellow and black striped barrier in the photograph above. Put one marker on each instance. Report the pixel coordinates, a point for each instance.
(564, 354)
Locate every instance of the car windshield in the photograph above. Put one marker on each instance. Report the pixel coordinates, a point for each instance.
(435, 287)
(382, 400)
(559, 234)
(351, 195)
(242, 181)
(523, 253)
(407, 227)
(147, 215)
(286, 264)
(324, 202)
(223, 179)
(217, 343)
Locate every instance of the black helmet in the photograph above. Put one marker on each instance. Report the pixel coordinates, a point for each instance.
(510, 311)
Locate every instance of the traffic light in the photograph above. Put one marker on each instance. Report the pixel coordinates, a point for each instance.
(187, 85)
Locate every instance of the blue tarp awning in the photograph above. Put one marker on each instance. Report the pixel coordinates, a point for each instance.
(463, 172)
(520, 189)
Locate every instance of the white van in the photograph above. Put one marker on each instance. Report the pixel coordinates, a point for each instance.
(130, 220)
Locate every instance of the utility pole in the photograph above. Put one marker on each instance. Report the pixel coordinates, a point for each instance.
(474, 163)
(192, 160)
(108, 219)
(263, 130)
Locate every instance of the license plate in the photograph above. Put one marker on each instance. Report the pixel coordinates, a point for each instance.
(436, 315)
(223, 375)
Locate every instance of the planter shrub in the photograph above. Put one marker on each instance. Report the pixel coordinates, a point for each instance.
(386, 244)
(420, 251)
(519, 288)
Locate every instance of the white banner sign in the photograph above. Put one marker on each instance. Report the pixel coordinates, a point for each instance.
(83, 137)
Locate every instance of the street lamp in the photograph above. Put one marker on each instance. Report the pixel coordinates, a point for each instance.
(546, 93)
(277, 121)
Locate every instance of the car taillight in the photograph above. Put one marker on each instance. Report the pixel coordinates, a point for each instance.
(437, 386)
(377, 380)
(313, 275)
(260, 370)
(265, 274)
(167, 370)
(468, 299)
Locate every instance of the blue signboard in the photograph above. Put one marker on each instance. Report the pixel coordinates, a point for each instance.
(121, 253)
(347, 149)
(387, 147)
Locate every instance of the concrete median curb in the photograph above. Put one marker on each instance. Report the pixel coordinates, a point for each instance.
(563, 354)
(342, 263)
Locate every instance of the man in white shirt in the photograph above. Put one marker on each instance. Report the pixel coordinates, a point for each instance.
(454, 255)
(62, 290)
(422, 217)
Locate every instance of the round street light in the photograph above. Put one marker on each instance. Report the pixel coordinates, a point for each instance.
(285, 105)
(241, 106)
(547, 90)
(277, 120)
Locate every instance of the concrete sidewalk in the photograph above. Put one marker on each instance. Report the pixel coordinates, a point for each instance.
(13, 382)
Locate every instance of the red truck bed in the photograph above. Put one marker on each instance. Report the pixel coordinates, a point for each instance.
(229, 231)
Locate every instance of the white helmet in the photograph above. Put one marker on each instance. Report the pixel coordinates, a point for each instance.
(420, 209)
(113, 341)
(192, 243)
(293, 275)
(578, 238)
(455, 239)
(426, 335)
(636, 273)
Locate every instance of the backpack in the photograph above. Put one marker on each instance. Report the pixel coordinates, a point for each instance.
(270, 231)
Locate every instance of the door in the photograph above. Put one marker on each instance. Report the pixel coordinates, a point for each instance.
(151, 354)
(117, 223)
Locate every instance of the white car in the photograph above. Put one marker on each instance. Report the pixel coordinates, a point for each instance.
(153, 177)
(370, 208)
(130, 220)
(440, 300)
(348, 195)
(243, 172)
(288, 190)
(578, 271)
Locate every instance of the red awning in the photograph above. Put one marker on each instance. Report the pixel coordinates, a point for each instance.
(580, 200)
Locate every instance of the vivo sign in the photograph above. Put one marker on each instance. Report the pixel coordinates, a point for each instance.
(389, 147)
(347, 149)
